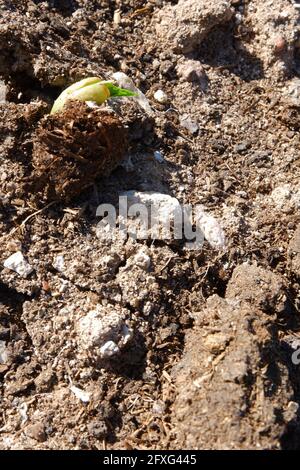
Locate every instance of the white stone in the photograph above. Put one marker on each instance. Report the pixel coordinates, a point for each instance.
(127, 334)
(3, 353)
(165, 207)
(192, 71)
(80, 394)
(160, 96)
(286, 195)
(187, 122)
(160, 209)
(110, 348)
(291, 92)
(163, 202)
(23, 408)
(59, 263)
(3, 92)
(17, 263)
(158, 408)
(92, 104)
(96, 326)
(117, 17)
(211, 229)
(142, 260)
(103, 331)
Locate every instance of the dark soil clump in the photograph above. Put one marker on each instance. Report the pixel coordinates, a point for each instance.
(73, 148)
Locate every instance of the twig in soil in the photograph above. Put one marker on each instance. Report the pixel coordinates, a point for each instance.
(141, 11)
(167, 376)
(19, 227)
(167, 264)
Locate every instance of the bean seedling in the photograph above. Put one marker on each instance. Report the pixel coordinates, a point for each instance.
(90, 89)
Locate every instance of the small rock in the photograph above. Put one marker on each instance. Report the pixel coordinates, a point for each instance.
(17, 263)
(117, 17)
(36, 431)
(3, 91)
(4, 354)
(280, 44)
(23, 408)
(103, 331)
(142, 260)
(158, 156)
(216, 342)
(291, 92)
(212, 230)
(59, 263)
(98, 325)
(162, 202)
(281, 194)
(291, 411)
(259, 158)
(160, 96)
(192, 71)
(110, 348)
(189, 124)
(241, 147)
(161, 207)
(44, 381)
(127, 334)
(80, 394)
(97, 429)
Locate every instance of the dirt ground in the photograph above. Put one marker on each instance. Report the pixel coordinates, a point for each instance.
(205, 338)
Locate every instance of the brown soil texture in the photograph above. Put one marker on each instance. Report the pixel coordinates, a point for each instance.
(206, 339)
(71, 149)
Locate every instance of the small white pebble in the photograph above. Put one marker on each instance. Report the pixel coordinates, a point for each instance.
(127, 334)
(109, 349)
(3, 92)
(64, 286)
(212, 230)
(187, 122)
(155, 64)
(80, 394)
(238, 18)
(59, 263)
(92, 104)
(142, 260)
(17, 263)
(117, 17)
(3, 353)
(160, 96)
(23, 408)
(284, 14)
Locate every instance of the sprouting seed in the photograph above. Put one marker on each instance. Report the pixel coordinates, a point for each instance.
(90, 89)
